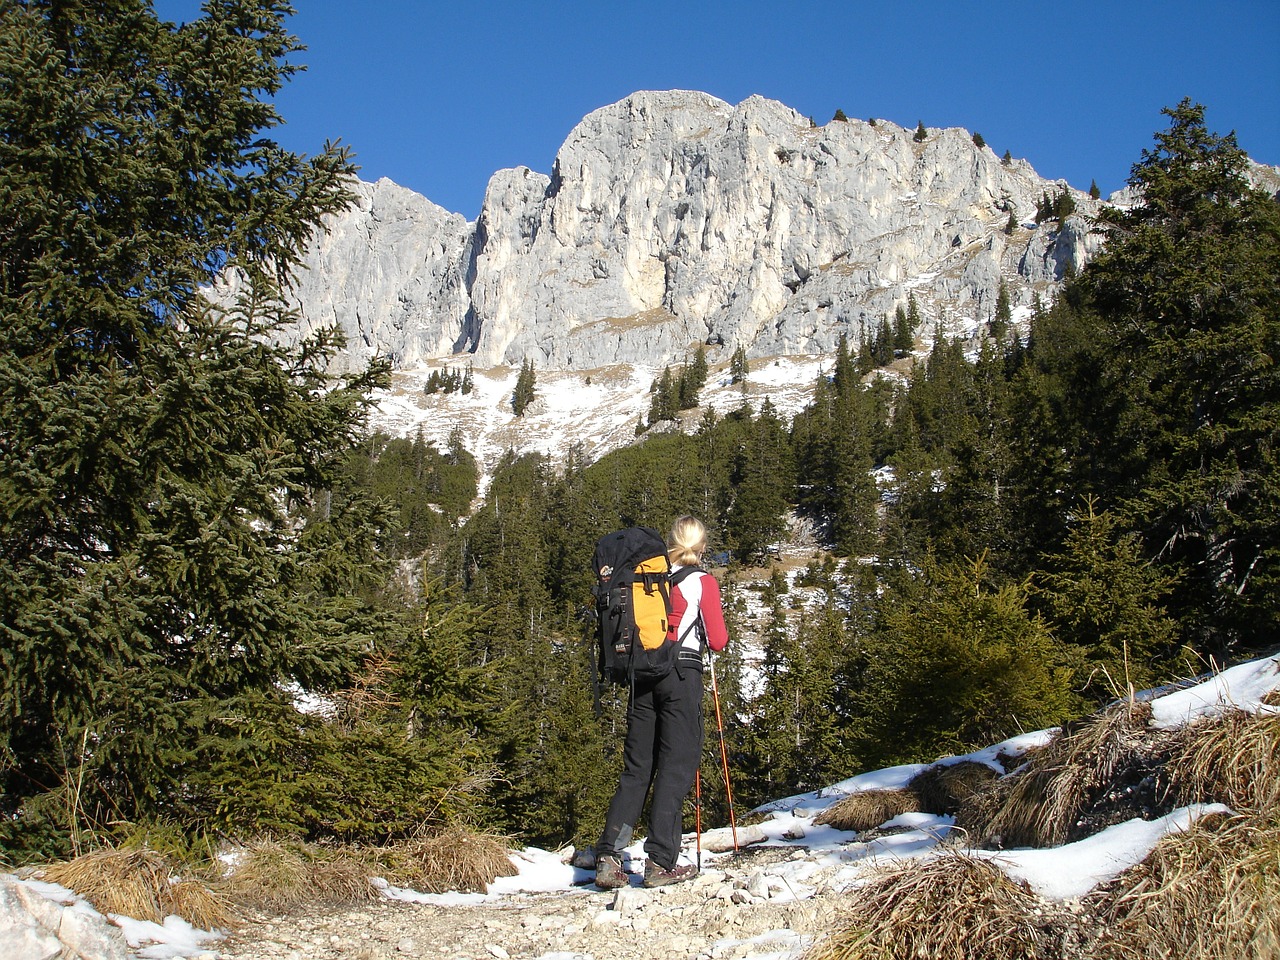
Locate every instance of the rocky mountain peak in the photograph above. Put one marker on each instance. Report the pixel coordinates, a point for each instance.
(671, 218)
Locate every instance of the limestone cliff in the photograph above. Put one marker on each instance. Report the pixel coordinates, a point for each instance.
(672, 218)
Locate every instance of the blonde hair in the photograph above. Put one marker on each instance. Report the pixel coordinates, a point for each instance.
(687, 541)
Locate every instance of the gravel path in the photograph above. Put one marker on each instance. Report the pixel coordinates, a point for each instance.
(713, 916)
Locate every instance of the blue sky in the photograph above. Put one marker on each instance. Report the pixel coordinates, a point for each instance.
(438, 96)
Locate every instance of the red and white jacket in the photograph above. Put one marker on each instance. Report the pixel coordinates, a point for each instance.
(697, 594)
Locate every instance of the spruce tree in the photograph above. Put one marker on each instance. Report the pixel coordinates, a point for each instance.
(904, 335)
(1108, 602)
(1186, 300)
(157, 585)
(525, 391)
(921, 134)
(958, 660)
(738, 366)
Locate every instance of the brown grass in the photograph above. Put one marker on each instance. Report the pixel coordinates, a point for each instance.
(945, 788)
(1040, 806)
(275, 877)
(1211, 893)
(141, 884)
(954, 907)
(868, 809)
(454, 858)
(1232, 759)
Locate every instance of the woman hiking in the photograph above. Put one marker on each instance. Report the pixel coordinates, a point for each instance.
(664, 724)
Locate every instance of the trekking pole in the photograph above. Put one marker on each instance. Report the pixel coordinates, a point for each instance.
(724, 756)
(697, 812)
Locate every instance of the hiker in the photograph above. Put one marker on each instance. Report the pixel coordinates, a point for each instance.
(664, 724)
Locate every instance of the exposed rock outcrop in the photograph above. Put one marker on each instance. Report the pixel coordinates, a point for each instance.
(670, 217)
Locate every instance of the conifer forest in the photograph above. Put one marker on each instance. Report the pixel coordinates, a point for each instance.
(198, 533)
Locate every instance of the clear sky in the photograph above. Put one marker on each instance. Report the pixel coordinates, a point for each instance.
(439, 95)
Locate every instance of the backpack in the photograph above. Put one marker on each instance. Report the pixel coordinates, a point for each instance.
(633, 605)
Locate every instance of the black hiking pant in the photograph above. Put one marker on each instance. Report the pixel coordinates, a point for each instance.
(662, 750)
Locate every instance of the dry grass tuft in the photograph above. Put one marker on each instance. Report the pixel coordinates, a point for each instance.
(276, 877)
(140, 884)
(1041, 806)
(453, 858)
(945, 788)
(868, 809)
(1211, 893)
(1232, 759)
(947, 908)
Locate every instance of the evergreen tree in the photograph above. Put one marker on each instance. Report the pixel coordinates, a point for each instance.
(525, 391)
(882, 344)
(156, 589)
(762, 479)
(738, 366)
(1094, 192)
(1107, 601)
(978, 141)
(1007, 158)
(1002, 322)
(1186, 299)
(692, 379)
(957, 662)
(1065, 205)
(904, 335)
(921, 134)
(665, 403)
(839, 115)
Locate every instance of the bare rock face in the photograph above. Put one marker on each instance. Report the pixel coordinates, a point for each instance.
(671, 218)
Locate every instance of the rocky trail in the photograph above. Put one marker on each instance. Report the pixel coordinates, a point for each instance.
(737, 908)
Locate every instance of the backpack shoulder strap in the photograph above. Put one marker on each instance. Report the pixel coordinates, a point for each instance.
(676, 578)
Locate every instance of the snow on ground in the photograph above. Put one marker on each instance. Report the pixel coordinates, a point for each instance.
(596, 410)
(1063, 872)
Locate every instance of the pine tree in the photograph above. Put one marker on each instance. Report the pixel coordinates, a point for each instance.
(839, 116)
(921, 134)
(665, 404)
(1105, 599)
(763, 478)
(904, 335)
(526, 391)
(1094, 192)
(1186, 301)
(957, 661)
(978, 141)
(1002, 322)
(739, 368)
(160, 585)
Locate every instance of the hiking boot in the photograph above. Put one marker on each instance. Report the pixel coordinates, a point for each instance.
(655, 876)
(609, 873)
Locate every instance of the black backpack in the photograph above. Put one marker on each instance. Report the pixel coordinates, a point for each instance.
(633, 605)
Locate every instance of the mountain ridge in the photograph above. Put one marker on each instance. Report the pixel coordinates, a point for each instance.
(670, 219)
